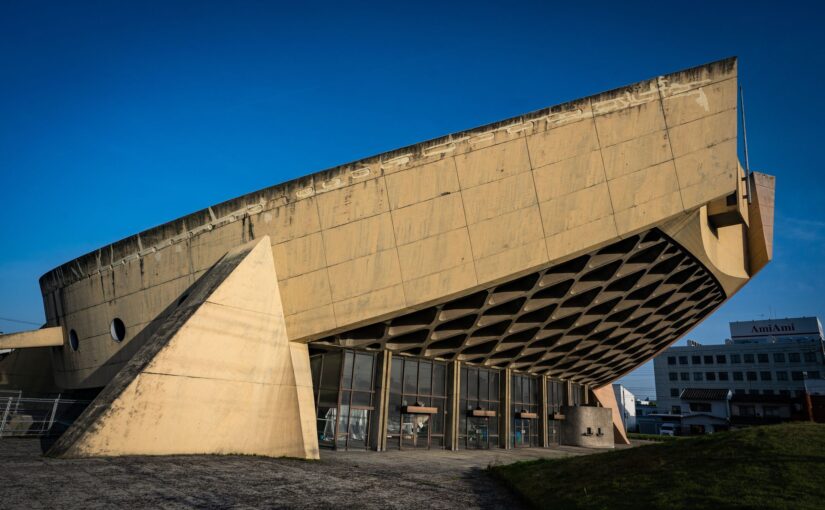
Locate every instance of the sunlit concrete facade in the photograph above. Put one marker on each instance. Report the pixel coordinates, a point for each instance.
(558, 250)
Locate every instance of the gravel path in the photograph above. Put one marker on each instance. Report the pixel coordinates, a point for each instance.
(428, 479)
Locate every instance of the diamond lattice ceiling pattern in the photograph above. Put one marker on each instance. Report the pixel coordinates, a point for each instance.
(589, 319)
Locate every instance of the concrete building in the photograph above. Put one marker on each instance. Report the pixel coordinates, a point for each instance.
(626, 403)
(764, 365)
(478, 290)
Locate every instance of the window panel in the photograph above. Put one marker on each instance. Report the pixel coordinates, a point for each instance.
(346, 377)
(331, 373)
(439, 379)
(410, 376)
(425, 378)
(396, 375)
(363, 371)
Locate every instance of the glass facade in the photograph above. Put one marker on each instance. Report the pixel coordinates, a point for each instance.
(478, 408)
(421, 385)
(347, 390)
(525, 410)
(556, 397)
(343, 384)
(578, 395)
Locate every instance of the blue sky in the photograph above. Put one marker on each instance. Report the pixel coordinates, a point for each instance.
(118, 116)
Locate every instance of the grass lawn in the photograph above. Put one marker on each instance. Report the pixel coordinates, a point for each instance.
(653, 437)
(777, 466)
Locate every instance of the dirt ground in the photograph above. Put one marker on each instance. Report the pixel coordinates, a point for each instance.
(420, 479)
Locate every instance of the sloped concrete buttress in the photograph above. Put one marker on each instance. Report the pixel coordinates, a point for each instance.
(219, 376)
(607, 398)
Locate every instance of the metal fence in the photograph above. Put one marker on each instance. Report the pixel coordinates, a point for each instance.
(33, 417)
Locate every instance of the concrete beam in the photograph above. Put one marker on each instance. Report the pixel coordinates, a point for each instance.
(45, 337)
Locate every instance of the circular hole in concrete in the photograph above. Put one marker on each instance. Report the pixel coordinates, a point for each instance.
(73, 343)
(117, 330)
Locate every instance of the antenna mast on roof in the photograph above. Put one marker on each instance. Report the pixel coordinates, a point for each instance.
(745, 140)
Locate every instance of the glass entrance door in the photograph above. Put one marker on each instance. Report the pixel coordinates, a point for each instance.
(553, 432)
(478, 433)
(521, 433)
(353, 427)
(415, 431)
(343, 386)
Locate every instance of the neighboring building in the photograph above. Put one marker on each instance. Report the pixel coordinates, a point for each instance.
(764, 365)
(645, 408)
(762, 409)
(705, 411)
(626, 402)
(480, 290)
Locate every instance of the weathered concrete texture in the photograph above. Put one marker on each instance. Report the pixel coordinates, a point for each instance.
(587, 426)
(410, 479)
(417, 226)
(218, 376)
(30, 369)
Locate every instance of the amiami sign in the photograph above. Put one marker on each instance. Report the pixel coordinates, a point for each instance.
(791, 326)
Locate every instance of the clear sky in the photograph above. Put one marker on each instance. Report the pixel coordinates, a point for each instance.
(118, 116)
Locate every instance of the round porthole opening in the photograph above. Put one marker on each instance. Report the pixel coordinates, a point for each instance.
(117, 330)
(73, 343)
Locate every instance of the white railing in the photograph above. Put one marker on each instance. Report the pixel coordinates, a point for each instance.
(30, 417)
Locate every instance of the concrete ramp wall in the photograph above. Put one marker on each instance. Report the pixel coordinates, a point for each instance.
(218, 376)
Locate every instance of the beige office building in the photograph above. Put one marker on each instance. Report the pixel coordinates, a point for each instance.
(479, 290)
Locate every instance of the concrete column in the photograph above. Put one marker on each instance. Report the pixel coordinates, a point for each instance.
(543, 411)
(454, 415)
(506, 422)
(378, 441)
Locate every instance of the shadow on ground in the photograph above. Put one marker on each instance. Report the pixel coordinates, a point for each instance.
(430, 479)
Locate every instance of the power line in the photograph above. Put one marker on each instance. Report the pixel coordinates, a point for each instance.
(20, 322)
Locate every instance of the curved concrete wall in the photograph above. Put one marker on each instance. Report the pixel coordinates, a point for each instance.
(420, 225)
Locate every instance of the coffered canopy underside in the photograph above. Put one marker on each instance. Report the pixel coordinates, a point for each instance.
(590, 319)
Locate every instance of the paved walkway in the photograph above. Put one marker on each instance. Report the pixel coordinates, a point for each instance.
(421, 479)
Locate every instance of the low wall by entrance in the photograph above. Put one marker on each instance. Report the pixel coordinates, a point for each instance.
(587, 426)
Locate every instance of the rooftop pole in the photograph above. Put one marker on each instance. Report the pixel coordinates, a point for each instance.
(745, 140)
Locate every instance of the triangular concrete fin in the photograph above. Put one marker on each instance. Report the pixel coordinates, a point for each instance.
(761, 211)
(607, 398)
(218, 376)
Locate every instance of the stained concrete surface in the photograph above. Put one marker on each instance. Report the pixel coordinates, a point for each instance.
(410, 479)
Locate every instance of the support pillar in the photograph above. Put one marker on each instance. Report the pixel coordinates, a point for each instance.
(382, 399)
(543, 410)
(454, 402)
(506, 423)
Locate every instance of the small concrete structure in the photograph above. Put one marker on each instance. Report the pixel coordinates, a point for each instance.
(588, 426)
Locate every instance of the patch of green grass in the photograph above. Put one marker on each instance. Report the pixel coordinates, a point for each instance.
(778, 466)
(652, 437)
